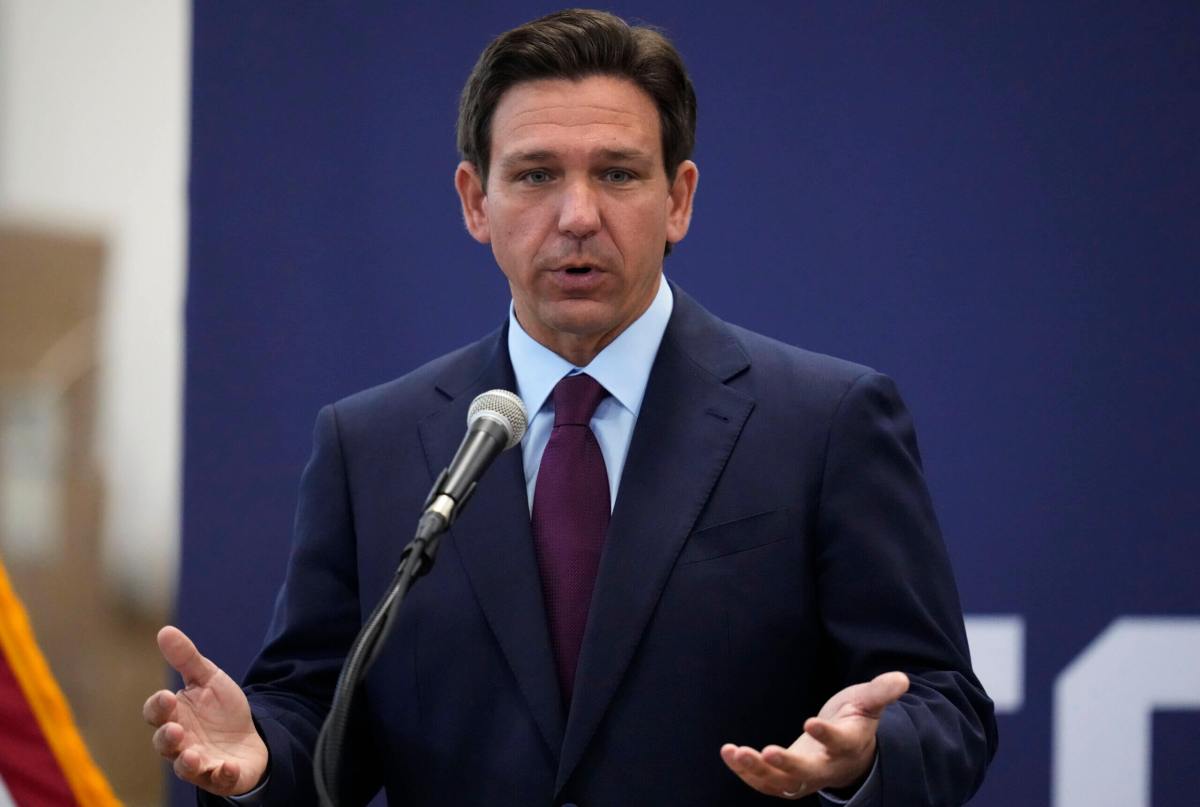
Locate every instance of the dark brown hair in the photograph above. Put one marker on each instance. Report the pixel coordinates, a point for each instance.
(575, 44)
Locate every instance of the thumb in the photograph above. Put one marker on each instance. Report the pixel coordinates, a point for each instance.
(181, 653)
(882, 690)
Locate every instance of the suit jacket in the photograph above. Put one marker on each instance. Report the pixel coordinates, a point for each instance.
(772, 542)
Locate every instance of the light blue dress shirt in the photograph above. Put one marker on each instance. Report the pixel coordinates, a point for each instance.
(622, 368)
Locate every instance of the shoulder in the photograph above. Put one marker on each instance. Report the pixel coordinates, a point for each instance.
(766, 368)
(821, 401)
(773, 355)
(795, 383)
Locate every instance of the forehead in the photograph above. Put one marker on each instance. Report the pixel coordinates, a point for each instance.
(564, 115)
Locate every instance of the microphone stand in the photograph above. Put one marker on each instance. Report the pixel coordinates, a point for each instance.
(416, 560)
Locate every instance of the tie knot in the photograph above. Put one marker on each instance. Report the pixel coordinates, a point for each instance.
(576, 398)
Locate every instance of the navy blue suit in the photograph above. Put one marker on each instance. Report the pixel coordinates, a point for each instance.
(772, 542)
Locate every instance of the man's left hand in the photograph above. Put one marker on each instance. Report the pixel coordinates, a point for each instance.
(836, 750)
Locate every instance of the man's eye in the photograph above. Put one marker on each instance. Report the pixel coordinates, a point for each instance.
(536, 177)
(618, 176)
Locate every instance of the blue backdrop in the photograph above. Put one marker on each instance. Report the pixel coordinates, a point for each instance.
(996, 203)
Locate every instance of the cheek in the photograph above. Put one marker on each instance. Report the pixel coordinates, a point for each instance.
(639, 230)
(518, 226)
(515, 244)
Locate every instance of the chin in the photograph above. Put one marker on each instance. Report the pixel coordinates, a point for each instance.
(580, 317)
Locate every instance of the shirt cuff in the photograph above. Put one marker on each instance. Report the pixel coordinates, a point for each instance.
(251, 797)
(867, 793)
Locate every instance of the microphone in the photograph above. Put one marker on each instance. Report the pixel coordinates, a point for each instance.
(496, 421)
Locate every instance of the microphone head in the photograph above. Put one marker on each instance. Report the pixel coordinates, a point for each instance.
(503, 407)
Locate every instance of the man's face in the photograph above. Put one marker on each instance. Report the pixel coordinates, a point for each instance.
(577, 207)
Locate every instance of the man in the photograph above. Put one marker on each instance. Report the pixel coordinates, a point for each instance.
(712, 576)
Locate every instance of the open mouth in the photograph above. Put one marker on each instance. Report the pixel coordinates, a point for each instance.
(578, 279)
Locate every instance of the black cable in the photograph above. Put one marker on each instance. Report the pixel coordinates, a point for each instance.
(416, 560)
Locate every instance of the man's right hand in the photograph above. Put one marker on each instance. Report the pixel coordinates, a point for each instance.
(205, 729)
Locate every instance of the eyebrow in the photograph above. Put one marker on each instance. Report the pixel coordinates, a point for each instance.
(624, 155)
(537, 156)
(526, 157)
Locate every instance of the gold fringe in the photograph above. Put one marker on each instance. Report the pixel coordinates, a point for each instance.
(87, 782)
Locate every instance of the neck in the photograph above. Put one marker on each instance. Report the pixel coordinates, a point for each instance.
(580, 348)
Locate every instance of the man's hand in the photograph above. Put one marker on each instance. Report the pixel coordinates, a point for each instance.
(836, 749)
(205, 729)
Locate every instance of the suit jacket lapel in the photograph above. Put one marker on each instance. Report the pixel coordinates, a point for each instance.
(492, 537)
(687, 427)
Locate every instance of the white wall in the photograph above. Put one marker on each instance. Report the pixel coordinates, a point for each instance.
(93, 135)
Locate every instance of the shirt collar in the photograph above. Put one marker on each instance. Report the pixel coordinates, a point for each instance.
(623, 367)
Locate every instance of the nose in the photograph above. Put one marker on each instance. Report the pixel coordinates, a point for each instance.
(579, 216)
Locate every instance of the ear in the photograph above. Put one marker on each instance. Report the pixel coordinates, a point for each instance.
(471, 193)
(679, 201)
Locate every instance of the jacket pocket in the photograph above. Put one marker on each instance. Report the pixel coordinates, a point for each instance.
(739, 535)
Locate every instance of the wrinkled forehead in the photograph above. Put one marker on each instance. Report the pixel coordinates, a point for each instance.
(564, 114)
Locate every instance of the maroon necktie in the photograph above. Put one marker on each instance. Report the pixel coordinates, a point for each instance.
(570, 518)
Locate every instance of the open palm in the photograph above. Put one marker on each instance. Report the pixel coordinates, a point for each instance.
(836, 749)
(205, 729)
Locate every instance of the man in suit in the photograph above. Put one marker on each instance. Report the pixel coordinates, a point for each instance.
(712, 576)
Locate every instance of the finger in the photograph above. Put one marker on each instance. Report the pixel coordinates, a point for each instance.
(740, 760)
(182, 655)
(843, 738)
(216, 777)
(795, 777)
(821, 731)
(168, 739)
(224, 777)
(192, 766)
(789, 763)
(749, 765)
(159, 708)
(188, 765)
(880, 691)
